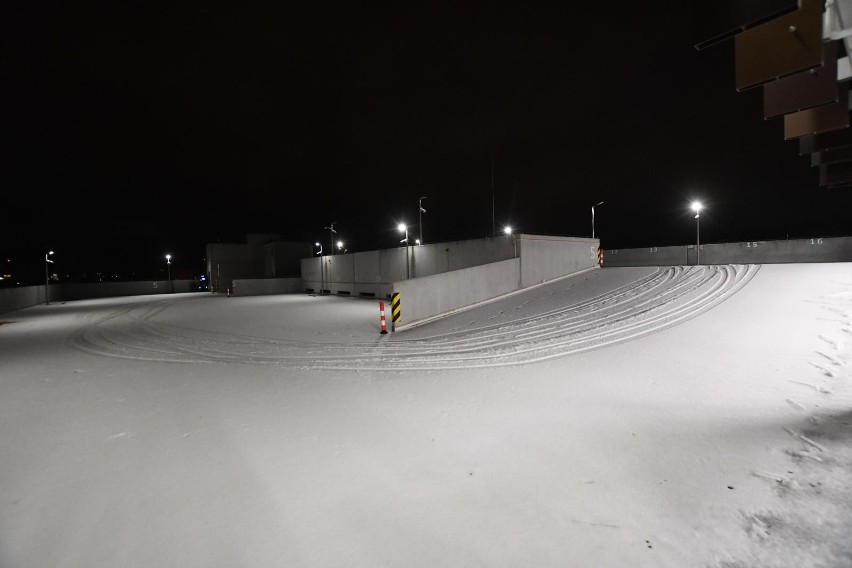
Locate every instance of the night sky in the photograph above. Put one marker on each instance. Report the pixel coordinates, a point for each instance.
(135, 129)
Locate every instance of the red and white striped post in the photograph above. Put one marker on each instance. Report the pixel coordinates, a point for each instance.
(382, 312)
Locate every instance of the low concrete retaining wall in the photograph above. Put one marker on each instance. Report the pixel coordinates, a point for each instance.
(544, 258)
(12, 299)
(422, 298)
(539, 259)
(88, 290)
(829, 249)
(265, 286)
(372, 273)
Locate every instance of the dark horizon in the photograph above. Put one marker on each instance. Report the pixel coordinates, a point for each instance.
(139, 131)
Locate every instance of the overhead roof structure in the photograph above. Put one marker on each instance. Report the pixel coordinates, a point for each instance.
(798, 52)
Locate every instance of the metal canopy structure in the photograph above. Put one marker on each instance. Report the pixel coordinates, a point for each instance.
(799, 53)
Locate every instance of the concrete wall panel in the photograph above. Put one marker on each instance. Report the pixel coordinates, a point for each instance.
(392, 264)
(368, 267)
(373, 272)
(340, 269)
(87, 290)
(266, 286)
(311, 270)
(440, 294)
(544, 258)
(832, 249)
(12, 299)
(647, 256)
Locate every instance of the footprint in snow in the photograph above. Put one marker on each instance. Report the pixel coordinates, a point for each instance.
(834, 343)
(829, 358)
(826, 372)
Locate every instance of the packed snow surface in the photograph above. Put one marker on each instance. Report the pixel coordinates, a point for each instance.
(671, 416)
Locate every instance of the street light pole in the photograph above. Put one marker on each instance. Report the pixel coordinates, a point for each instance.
(593, 217)
(696, 206)
(169, 271)
(403, 229)
(331, 236)
(47, 262)
(322, 269)
(421, 212)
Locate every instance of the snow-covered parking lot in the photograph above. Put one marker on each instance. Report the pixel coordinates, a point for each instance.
(675, 416)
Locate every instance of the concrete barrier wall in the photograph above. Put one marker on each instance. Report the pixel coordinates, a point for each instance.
(367, 267)
(544, 258)
(12, 299)
(87, 290)
(19, 298)
(265, 286)
(357, 274)
(648, 256)
(372, 273)
(440, 294)
(832, 249)
(540, 259)
(444, 257)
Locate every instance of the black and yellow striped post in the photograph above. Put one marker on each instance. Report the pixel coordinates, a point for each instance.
(396, 310)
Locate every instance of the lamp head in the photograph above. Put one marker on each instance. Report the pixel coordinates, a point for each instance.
(507, 230)
(696, 206)
(401, 227)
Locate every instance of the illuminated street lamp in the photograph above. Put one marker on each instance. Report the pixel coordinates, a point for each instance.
(507, 230)
(169, 270)
(593, 217)
(696, 206)
(403, 229)
(47, 262)
(339, 245)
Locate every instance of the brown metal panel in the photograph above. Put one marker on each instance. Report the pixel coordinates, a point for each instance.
(835, 174)
(783, 46)
(825, 141)
(837, 155)
(714, 21)
(804, 90)
(825, 118)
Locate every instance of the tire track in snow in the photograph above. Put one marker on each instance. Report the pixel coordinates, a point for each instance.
(650, 304)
